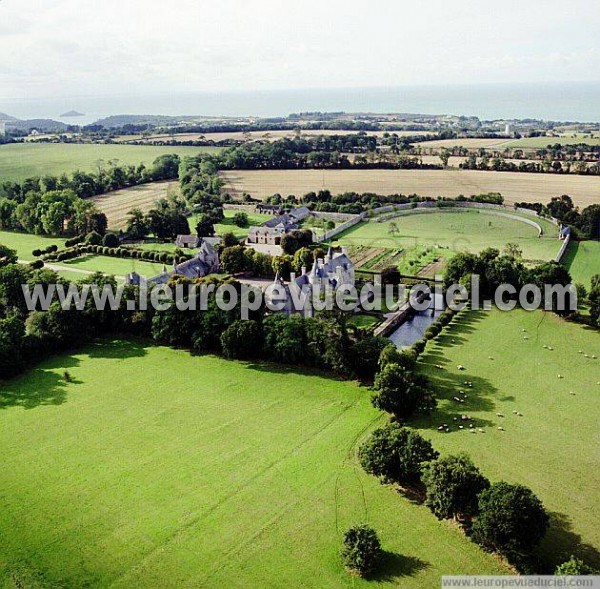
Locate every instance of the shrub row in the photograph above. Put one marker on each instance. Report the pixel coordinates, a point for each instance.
(40, 252)
(116, 252)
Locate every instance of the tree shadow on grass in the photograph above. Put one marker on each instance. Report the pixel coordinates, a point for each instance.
(561, 541)
(46, 385)
(393, 566)
(118, 348)
(39, 387)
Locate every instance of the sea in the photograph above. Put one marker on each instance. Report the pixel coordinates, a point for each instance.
(559, 101)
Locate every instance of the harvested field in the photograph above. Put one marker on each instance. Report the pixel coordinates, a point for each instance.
(259, 135)
(468, 142)
(115, 205)
(514, 186)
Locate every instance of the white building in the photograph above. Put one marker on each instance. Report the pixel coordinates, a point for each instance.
(333, 271)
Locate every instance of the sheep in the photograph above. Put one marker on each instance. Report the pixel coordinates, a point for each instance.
(525, 337)
(500, 428)
(560, 376)
(514, 412)
(480, 430)
(439, 367)
(594, 357)
(520, 414)
(441, 428)
(461, 367)
(490, 358)
(457, 399)
(471, 426)
(472, 431)
(500, 414)
(551, 348)
(460, 427)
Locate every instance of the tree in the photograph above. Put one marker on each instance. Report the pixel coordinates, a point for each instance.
(453, 484)
(444, 157)
(303, 258)
(110, 240)
(511, 520)
(362, 550)
(513, 250)
(204, 226)
(93, 238)
(401, 392)
(12, 334)
(137, 227)
(396, 454)
(229, 240)
(393, 229)
(241, 340)
(574, 567)
(233, 259)
(594, 300)
(7, 256)
(284, 338)
(240, 219)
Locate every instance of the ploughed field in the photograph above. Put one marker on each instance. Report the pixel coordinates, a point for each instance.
(153, 468)
(514, 186)
(548, 370)
(116, 205)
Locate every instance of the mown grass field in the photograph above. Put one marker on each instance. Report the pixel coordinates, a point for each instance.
(583, 260)
(24, 160)
(25, 243)
(181, 471)
(228, 226)
(449, 232)
(553, 448)
(115, 205)
(514, 186)
(117, 266)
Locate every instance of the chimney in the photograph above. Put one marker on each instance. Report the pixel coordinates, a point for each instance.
(292, 276)
(344, 250)
(303, 270)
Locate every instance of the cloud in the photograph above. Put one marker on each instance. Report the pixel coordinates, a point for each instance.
(70, 47)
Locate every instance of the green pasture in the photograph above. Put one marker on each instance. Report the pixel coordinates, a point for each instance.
(583, 260)
(553, 446)
(154, 468)
(25, 160)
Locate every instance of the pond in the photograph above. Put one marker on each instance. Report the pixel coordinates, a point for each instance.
(413, 329)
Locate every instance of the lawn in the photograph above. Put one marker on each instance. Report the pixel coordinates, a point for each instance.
(25, 243)
(583, 260)
(514, 186)
(451, 231)
(116, 266)
(228, 226)
(24, 160)
(183, 471)
(553, 447)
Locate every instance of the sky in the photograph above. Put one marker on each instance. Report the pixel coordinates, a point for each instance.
(59, 48)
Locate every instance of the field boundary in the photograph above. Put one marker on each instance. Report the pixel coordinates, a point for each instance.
(428, 207)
